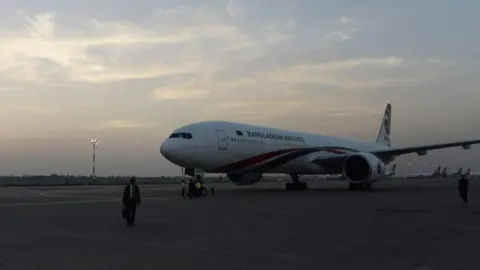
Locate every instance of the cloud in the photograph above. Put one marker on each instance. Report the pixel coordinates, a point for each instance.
(126, 124)
(252, 111)
(339, 74)
(46, 51)
(344, 29)
(50, 51)
(232, 9)
(181, 93)
(197, 53)
(37, 110)
(345, 20)
(303, 88)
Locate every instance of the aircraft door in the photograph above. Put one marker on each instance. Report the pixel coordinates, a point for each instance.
(222, 139)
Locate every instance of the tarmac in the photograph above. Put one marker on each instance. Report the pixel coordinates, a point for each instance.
(400, 224)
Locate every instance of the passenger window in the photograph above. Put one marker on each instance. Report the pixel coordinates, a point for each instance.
(189, 136)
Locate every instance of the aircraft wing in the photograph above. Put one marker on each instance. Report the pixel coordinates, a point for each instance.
(422, 150)
(333, 164)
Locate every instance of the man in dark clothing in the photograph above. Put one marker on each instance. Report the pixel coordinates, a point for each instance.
(183, 187)
(191, 189)
(463, 188)
(131, 198)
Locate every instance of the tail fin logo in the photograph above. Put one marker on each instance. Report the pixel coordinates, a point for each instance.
(385, 127)
(386, 121)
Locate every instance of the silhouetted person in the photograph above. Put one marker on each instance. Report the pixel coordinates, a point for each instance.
(198, 188)
(183, 187)
(212, 188)
(463, 188)
(191, 189)
(131, 198)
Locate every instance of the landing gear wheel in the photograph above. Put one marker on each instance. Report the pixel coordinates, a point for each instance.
(296, 186)
(361, 186)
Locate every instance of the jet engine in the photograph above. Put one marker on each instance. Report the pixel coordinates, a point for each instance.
(363, 168)
(245, 179)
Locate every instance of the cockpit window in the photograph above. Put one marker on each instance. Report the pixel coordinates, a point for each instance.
(183, 135)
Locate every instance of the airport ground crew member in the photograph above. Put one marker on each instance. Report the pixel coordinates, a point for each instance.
(212, 188)
(131, 198)
(463, 188)
(198, 188)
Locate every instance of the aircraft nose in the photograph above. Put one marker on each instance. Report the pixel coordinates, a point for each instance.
(172, 150)
(165, 149)
(175, 151)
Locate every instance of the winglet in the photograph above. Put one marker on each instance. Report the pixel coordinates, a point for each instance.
(385, 127)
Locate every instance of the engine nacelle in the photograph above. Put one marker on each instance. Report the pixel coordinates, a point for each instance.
(245, 179)
(363, 168)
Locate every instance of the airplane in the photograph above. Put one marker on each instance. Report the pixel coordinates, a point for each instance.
(435, 174)
(469, 173)
(457, 173)
(245, 152)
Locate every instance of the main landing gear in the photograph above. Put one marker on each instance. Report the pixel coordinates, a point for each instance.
(296, 184)
(360, 186)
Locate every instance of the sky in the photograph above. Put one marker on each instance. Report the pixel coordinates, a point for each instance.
(128, 73)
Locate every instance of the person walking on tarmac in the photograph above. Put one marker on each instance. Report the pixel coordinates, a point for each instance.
(131, 198)
(463, 188)
(183, 186)
(212, 188)
(191, 189)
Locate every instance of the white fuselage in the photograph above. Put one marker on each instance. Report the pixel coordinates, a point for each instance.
(226, 147)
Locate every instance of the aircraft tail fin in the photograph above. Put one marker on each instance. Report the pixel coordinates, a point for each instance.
(385, 128)
(467, 173)
(437, 171)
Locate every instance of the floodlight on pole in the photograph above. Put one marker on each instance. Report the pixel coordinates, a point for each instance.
(94, 143)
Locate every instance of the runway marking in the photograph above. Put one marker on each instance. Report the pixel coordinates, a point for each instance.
(80, 201)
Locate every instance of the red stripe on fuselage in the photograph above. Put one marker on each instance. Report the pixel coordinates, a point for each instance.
(254, 160)
(242, 164)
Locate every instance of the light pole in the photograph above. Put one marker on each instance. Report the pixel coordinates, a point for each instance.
(409, 168)
(94, 144)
